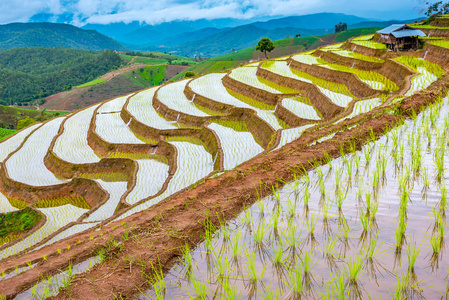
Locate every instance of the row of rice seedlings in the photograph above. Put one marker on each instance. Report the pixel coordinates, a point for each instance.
(416, 63)
(370, 44)
(72, 144)
(194, 163)
(151, 176)
(75, 201)
(113, 129)
(338, 93)
(141, 107)
(308, 59)
(364, 106)
(373, 79)
(50, 285)
(356, 55)
(105, 176)
(57, 217)
(211, 86)
(27, 164)
(114, 105)
(173, 96)
(6, 206)
(12, 143)
(247, 75)
(364, 37)
(331, 47)
(250, 101)
(299, 107)
(439, 43)
(239, 126)
(237, 146)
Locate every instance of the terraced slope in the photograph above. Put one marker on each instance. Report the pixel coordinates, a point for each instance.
(115, 159)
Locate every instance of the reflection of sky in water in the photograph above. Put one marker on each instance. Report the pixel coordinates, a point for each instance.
(385, 263)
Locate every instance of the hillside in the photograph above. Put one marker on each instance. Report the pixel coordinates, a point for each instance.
(52, 35)
(237, 38)
(27, 75)
(283, 47)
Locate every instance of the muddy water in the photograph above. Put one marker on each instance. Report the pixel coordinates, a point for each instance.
(356, 178)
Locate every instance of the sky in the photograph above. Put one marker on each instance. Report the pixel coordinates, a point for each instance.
(80, 12)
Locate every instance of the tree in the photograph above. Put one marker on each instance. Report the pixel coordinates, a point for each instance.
(438, 8)
(265, 45)
(189, 74)
(22, 123)
(298, 35)
(341, 27)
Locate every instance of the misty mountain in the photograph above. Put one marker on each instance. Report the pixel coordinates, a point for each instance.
(236, 38)
(50, 35)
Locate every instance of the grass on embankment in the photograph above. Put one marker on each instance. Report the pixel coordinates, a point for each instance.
(13, 224)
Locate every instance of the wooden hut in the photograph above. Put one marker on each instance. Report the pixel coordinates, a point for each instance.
(399, 37)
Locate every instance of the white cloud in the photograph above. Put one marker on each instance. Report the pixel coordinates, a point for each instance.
(152, 12)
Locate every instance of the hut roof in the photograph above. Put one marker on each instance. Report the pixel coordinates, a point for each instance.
(401, 30)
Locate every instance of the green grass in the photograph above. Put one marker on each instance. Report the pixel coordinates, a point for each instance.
(157, 59)
(439, 43)
(147, 76)
(4, 133)
(18, 221)
(93, 82)
(415, 62)
(371, 44)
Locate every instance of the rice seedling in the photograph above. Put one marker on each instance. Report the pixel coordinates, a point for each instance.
(291, 208)
(295, 279)
(261, 232)
(307, 263)
(400, 228)
(344, 229)
(365, 221)
(338, 283)
(291, 237)
(310, 223)
(354, 266)
(413, 251)
(371, 247)
(306, 195)
(326, 207)
(235, 245)
(251, 267)
(279, 255)
(341, 196)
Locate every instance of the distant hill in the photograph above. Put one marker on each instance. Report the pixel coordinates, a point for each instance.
(51, 35)
(382, 23)
(313, 21)
(237, 38)
(29, 74)
(165, 33)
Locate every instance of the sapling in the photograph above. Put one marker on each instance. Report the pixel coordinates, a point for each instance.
(295, 281)
(354, 266)
(413, 251)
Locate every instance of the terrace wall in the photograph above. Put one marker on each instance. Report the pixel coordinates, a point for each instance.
(250, 91)
(435, 32)
(391, 69)
(362, 49)
(357, 87)
(438, 55)
(325, 106)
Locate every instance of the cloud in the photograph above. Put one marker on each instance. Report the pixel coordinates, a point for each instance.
(153, 12)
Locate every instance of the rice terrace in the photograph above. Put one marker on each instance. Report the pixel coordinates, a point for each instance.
(318, 175)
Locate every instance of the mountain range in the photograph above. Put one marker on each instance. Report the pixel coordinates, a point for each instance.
(50, 35)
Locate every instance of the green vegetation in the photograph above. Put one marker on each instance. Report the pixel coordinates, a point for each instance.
(265, 45)
(4, 133)
(30, 74)
(439, 43)
(283, 47)
(22, 123)
(10, 116)
(18, 222)
(148, 76)
(415, 62)
(52, 35)
(156, 58)
(93, 82)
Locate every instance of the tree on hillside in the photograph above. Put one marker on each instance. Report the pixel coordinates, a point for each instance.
(437, 8)
(341, 27)
(265, 45)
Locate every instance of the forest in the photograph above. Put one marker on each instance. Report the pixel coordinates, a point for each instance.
(33, 73)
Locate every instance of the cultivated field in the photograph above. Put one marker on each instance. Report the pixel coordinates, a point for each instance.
(320, 175)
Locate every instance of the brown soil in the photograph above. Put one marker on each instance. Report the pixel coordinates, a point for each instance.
(173, 70)
(86, 96)
(154, 236)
